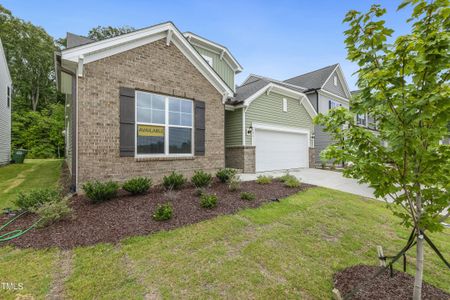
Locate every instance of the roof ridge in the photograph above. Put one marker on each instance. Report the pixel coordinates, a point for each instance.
(276, 80)
(333, 65)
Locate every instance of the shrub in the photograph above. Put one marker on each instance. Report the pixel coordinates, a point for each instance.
(174, 181)
(53, 211)
(201, 179)
(225, 174)
(248, 196)
(263, 179)
(137, 185)
(286, 177)
(36, 198)
(234, 183)
(292, 182)
(208, 201)
(163, 212)
(98, 191)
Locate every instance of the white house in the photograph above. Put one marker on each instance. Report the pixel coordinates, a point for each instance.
(5, 109)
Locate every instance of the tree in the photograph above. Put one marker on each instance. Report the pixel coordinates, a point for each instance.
(105, 32)
(30, 55)
(405, 87)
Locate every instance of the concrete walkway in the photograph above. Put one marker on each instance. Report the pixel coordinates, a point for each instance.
(328, 179)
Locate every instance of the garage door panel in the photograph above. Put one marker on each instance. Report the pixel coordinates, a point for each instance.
(276, 150)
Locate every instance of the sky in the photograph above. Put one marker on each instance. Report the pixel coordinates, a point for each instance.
(278, 39)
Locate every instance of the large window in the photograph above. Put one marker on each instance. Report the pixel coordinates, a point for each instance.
(164, 125)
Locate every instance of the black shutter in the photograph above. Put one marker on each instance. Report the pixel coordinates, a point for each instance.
(199, 128)
(329, 104)
(127, 122)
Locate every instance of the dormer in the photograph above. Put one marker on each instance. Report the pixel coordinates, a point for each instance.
(217, 56)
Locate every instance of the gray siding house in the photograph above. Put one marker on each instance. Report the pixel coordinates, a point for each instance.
(5, 109)
(325, 88)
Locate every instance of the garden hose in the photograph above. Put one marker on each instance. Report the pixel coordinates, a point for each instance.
(15, 233)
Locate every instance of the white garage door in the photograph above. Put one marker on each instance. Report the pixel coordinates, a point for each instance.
(277, 150)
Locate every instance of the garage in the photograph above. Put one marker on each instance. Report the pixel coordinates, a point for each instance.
(278, 149)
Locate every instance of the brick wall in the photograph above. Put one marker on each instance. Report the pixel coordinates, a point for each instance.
(157, 68)
(241, 157)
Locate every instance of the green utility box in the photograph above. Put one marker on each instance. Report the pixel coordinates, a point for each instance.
(19, 156)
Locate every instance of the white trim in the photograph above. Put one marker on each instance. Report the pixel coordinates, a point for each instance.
(215, 52)
(273, 127)
(166, 126)
(169, 37)
(98, 50)
(244, 132)
(341, 78)
(2, 50)
(77, 146)
(208, 59)
(285, 104)
(191, 36)
(328, 94)
(283, 91)
(233, 107)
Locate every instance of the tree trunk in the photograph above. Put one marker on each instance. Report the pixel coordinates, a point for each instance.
(417, 294)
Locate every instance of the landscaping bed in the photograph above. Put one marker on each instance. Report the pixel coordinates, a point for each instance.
(400, 286)
(128, 215)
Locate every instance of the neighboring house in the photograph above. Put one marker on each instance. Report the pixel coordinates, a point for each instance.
(269, 126)
(5, 109)
(144, 104)
(325, 88)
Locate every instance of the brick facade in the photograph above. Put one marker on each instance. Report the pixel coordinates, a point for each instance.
(241, 157)
(157, 68)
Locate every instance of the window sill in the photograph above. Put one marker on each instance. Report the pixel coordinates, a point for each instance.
(164, 158)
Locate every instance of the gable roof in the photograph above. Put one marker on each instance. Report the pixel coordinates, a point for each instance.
(74, 40)
(196, 39)
(93, 51)
(314, 79)
(3, 57)
(256, 85)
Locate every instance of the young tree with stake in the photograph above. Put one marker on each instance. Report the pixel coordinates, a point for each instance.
(405, 87)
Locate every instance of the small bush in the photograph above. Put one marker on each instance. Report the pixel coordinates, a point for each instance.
(36, 198)
(292, 182)
(163, 212)
(225, 174)
(208, 201)
(263, 179)
(286, 177)
(53, 211)
(174, 181)
(138, 185)
(201, 179)
(98, 191)
(248, 196)
(234, 183)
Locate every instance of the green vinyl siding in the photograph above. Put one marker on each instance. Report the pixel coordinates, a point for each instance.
(233, 127)
(268, 109)
(219, 65)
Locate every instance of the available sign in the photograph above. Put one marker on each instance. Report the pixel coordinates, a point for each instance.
(149, 130)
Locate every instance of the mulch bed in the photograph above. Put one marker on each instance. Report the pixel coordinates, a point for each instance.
(128, 215)
(382, 287)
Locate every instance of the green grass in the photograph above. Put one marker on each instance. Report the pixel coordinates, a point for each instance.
(34, 173)
(289, 249)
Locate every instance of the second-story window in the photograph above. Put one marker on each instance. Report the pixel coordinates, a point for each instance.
(361, 119)
(333, 104)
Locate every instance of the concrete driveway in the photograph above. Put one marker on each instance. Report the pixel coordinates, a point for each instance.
(328, 179)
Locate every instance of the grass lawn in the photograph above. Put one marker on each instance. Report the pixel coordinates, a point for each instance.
(34, 173)
(281, 250)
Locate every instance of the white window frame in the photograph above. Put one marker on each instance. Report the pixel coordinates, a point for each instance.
(208, 59)
(361, 117)
(333, 104)
(335, 80)
(285, 105)
(166, 126)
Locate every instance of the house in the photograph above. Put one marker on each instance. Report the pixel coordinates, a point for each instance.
(145, 103)
(268, 126)
(326, 88)
(5, 109)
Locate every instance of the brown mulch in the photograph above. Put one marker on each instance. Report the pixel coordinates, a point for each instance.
(128, 215)
(382, 287)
